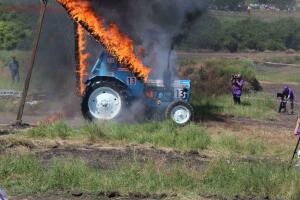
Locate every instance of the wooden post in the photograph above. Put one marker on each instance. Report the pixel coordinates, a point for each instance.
(33, 55)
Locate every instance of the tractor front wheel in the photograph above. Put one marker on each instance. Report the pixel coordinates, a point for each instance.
(103, 101)
(180, 112)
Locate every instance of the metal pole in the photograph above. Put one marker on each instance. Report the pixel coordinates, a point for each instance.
(33, 55)
(295, 151)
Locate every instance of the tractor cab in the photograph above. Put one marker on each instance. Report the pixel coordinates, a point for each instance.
(112, 87)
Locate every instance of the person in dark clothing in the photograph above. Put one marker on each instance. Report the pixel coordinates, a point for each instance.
(14, 69)
(237, 84)
(287, 95)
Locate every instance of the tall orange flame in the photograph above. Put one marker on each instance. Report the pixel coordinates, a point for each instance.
(82, 58)
(117, 44)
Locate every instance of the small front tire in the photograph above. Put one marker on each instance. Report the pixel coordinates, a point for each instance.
(180, 112)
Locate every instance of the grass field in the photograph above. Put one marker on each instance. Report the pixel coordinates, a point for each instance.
(257, 106)
(164, 134)
(288, 74)
(27, 175)
(229, 173)
(232, 141)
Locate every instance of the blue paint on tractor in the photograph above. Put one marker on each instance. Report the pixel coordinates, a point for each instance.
(154, 93)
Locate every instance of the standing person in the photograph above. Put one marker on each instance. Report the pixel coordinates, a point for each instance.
(249, 10)
(288, 95)
(14, 69)
(237, 84)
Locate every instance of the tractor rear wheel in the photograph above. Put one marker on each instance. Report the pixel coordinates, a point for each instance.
(179, 112)
(104, 101)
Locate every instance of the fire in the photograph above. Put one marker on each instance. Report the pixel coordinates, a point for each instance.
(51, 119)
(82, 57)
(117, 44)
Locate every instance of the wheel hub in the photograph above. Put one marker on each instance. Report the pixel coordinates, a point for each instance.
(180, 114)
(105, 103)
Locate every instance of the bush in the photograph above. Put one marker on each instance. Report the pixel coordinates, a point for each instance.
(212, 77)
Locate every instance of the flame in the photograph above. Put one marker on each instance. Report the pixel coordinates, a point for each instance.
(51, 119)
(82, 57)
(117, 44)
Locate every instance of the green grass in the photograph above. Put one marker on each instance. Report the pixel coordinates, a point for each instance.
(227, 67)
(257, 106)
(231, 144)
(288, 74)
(284, 59)
(165, 134)
(25, 175)
(9, 105)
(59, 129)
(262, 179)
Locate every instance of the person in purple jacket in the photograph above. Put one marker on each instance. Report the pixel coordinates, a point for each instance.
(237, 84)
(288, 95)
(2, 195)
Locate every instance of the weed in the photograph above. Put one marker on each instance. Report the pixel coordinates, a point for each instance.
(93, 131)
(164, 134)
(27, 175)
(228, 178)
(59, 129)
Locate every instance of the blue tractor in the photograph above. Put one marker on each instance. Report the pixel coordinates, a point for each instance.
(111, 89)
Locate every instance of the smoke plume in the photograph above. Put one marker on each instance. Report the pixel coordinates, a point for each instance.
(154, 25)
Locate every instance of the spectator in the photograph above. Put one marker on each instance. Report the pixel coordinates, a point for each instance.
(288, 95)
(2, 195)
(14, 69)
(237, 87)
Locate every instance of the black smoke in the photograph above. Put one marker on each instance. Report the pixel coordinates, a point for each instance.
(155, 25)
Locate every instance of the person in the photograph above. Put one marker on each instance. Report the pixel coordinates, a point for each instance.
(297, 133)
(14, 69)
(2, 195)
(287, 95)
(249, 10)
(237, 87)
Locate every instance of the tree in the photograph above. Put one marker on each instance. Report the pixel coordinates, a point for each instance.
(11, 33)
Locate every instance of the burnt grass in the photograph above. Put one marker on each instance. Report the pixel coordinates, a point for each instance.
(113, 158)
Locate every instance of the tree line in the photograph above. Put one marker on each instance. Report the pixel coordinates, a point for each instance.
(248, 33)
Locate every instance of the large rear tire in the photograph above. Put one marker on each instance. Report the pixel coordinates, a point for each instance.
(104, 100)
(180, 112)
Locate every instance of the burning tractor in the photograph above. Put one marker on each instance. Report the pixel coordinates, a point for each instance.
(112, 88)
(118, 79)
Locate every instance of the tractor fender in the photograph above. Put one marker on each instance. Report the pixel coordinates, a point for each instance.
(96, 79)
(104, 78)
